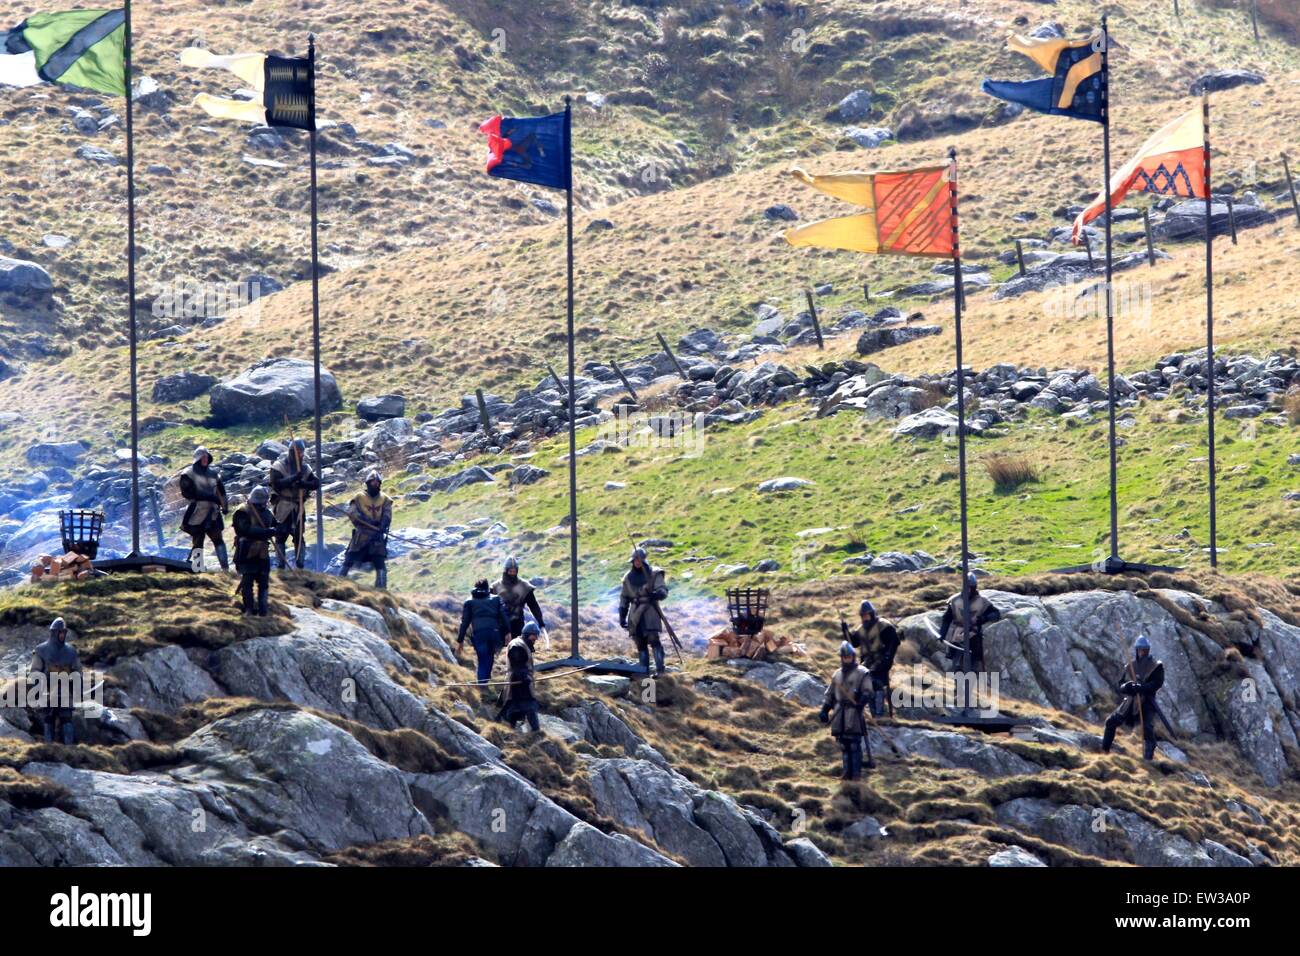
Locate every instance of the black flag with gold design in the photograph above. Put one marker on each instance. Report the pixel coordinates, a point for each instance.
(286, 86)
(289, 93)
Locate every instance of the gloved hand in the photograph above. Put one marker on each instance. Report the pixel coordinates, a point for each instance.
(1131, 688)
(622, 621)
(825, 715)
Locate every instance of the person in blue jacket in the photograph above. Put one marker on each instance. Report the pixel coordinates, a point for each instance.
(483, 616)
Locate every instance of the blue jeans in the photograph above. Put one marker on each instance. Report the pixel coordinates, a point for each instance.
(486, 649)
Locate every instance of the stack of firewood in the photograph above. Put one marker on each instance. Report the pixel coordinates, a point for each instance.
(68, 567)
(727, 643)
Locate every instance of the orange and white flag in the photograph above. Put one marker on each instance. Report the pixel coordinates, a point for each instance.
(1171, 163)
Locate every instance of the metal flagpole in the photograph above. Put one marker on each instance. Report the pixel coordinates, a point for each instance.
(315, 308)
(1114, 562)
(573, 439)
(958, 302)
(1209, 330)
(130, 287)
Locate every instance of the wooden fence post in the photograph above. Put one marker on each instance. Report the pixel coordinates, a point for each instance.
(671, 357)
(812, 311)
(623, 378)
(1295, 203)
(484, 418)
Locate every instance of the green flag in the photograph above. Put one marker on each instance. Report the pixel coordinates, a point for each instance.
(82, 48)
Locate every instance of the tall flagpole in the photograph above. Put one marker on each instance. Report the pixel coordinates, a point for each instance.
(130, 286)
(319, 563)
(1114, 563)
(573, 432)
(959, 296)
(1209, 329)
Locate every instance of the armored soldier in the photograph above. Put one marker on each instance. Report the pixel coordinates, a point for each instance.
(517, 595)
(371, 514)
(483, 617)
(292, 479)
(877, 643)
(518, 702)
(849, 692)
(1144, 676)
(638, 609)
(952, 630)
(254, 528)
(202, 487)
(53, 658)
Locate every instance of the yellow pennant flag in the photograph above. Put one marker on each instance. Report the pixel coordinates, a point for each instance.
(249, 67)
(906, 213)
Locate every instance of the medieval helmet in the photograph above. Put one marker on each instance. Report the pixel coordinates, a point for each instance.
(972, 581)
(375, 477)
(865, 608)
(58, 626)
(259, 495)
(512, 564)
(531, 630)
(638, 553)
(299, 446)
(846, 649)
(1142, 644)
(200, 452)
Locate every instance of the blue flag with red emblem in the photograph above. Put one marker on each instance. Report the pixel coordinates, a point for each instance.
(531, 150)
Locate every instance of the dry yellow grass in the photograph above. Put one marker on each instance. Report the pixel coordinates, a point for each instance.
(483, 305)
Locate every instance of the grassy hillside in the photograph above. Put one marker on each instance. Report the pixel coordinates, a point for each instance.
(444, 280)
(875, 493)
(737, 88)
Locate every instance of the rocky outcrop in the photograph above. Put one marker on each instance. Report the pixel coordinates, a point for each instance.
(703, 827)
(265, 787)
(272, 390)
(282, 785)
(24, 280)
(181, 387)
(521, 827)
(1068, 652)
(1113, 834)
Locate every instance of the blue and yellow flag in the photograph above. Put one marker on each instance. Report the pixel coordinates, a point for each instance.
(1075, 86)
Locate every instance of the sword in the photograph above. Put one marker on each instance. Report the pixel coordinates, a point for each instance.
(1163, 719)
(672, 635)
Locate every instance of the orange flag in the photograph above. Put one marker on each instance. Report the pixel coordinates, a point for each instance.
(1171, 163)
(905, 213)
